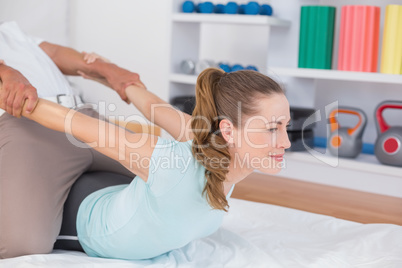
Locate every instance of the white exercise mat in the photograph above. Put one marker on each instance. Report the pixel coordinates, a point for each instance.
(262, 235)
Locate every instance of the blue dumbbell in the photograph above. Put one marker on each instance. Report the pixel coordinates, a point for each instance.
(231, 8)
(237, 67)
(251, 67)
(206, 7)
(241, 9)
(225, 67)
(266, 10)
(220, 9)
(252, 8)
(188, 7)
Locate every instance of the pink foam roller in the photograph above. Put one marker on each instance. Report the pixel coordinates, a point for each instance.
(359, 37)
(372, 39)
(342, 39)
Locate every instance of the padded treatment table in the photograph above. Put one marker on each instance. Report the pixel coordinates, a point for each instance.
(252, 235)
(86, 184)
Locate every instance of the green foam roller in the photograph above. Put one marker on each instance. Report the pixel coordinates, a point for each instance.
(316, 36)
(303, 42)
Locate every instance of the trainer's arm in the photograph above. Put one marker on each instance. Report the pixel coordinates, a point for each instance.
(108, 139)
(161, 113)
(72, 62)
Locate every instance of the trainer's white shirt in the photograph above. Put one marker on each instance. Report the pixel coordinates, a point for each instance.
(23, 53)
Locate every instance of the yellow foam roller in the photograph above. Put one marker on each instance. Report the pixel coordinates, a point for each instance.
(391, 58)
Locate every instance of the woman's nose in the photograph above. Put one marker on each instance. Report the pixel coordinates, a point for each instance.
(284, 141)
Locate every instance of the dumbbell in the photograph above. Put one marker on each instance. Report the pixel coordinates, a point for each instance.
(237, 67)
(187, 67)
(231, 8)
(192, 67)
(266, 10)
(202, 65)
(188, 7)
(251, 67)
(227, 68)
(241, 9)
(205, 7)
(253, 8)
(219, 9)
(224, 66)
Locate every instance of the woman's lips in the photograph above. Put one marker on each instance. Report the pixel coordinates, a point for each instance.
(277, 157)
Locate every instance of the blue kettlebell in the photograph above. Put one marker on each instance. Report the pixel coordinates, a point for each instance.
(188, 7)
(231, 8)
(266, 10)
(388, 144)
(343, 141)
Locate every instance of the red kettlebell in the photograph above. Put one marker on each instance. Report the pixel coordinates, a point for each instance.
(388, 144)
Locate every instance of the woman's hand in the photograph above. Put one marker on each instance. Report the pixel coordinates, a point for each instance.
(109, 74)
(92, 57)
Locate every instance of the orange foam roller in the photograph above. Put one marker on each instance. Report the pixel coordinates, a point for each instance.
(359, 38)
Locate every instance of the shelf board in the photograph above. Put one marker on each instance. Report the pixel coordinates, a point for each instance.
(183, 78)
(363, 163)
(230, 19)
(313, 74)
(336, 75)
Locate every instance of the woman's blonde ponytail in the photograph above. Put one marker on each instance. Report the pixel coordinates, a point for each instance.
(209, 147)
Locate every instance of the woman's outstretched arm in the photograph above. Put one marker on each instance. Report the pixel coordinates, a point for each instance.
(161, 113)
(156, 110)
(115, 142)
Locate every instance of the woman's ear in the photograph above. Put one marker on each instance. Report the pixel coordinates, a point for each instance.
(226, 128)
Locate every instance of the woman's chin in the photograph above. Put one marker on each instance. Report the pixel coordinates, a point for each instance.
(272, 170)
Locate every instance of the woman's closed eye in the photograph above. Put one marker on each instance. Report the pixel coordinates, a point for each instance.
(273, 129)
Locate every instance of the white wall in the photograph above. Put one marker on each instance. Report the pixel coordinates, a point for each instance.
(131, 33)
(43, 18)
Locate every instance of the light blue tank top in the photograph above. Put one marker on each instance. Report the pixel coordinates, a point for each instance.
(142, 220)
